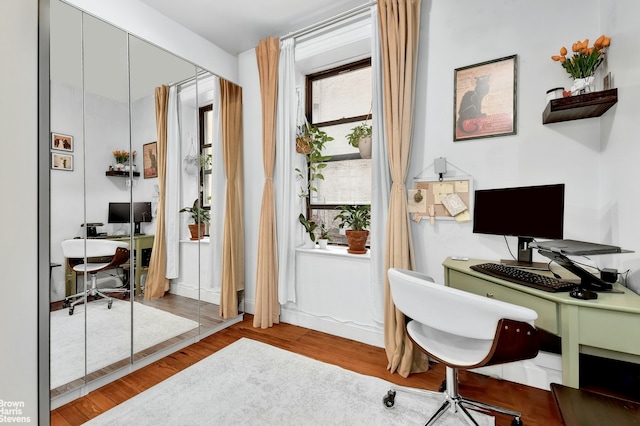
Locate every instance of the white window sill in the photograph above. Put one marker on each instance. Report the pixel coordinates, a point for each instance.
(335, 251)
(204, 240)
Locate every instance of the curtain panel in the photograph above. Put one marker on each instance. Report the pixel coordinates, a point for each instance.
(233, 233)
(157, 283)
(399, 22)
(267, 308)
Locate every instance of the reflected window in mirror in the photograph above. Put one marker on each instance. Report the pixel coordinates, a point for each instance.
(206, 154)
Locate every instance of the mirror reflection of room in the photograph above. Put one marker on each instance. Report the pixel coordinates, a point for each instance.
(106, 313)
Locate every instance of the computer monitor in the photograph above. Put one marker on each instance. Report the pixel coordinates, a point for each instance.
(526, 212)
(120, 213)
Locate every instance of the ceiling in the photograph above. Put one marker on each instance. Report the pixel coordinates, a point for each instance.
(238, 25)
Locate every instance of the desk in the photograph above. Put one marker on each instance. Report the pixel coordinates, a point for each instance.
(583, 408)
(140, 243)
(607, 327)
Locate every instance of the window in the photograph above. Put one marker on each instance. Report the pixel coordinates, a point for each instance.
(336, 101)
(206, 154)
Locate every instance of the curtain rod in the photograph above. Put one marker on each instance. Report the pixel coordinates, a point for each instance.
(189, 79)
(329, 21)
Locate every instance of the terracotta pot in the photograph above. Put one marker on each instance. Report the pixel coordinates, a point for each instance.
(357, 241)
(197, 230)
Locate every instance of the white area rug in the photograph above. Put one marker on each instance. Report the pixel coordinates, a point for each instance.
(108, 336)
(249, 382)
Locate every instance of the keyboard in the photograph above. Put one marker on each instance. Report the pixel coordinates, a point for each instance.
(529, 279)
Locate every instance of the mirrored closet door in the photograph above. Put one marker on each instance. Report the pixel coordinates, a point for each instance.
(114, 177)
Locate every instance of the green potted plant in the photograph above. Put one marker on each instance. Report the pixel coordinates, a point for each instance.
(316, 161)
(357, 218)
(310, 226)
(323, 236)
(360, 137)
(200, 217)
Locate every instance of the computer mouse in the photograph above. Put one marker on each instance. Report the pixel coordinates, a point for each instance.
(580, 293)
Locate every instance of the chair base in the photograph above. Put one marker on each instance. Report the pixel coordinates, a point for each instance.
(93, 291)
(453, 400)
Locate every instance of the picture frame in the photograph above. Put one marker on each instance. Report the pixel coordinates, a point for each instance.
(61, 142)
(485, 98)
(61, 161)
(150, 160)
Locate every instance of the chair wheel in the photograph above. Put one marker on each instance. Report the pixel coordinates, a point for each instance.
(65, 303)
(109, 304)
(443, 386)
(517, 421)
(389, 399)
(71, 310)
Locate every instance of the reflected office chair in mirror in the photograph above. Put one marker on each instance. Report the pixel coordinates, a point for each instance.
(99, 255)
(462, 331)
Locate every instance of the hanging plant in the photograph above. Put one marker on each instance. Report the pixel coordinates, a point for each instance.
(316, 161)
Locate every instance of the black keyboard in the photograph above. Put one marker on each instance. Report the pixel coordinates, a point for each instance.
(529, 279)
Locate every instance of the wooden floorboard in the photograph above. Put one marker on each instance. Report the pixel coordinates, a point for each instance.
(537, 406)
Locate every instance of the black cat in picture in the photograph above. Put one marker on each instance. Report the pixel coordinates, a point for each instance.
(471, 104)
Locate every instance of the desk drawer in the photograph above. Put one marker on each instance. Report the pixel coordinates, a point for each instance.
(547, 310)
(610, 330)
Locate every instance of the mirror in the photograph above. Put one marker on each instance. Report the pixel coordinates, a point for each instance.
(106, 185)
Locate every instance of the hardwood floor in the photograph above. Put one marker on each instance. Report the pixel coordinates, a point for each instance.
(537, 406)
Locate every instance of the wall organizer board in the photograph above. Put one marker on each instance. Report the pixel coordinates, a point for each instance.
(440, 198)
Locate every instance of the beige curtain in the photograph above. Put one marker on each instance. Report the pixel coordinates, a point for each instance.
(233, 236)
(267, 308)
(399, 29)
(157, 283)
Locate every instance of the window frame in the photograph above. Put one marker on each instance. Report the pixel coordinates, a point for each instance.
(309, 80)
(202, 134)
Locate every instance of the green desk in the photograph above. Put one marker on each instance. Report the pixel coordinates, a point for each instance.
(607, 327)
(140, 243)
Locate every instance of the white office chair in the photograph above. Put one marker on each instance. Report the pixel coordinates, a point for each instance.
(99, 255)
(461, 330)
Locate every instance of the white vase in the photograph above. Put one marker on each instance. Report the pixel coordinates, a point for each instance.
(118, 167)
(322, 243)
(364, 145)
(309, 243)
(582, 85)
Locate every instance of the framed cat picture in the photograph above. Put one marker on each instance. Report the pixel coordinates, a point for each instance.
(484, 102)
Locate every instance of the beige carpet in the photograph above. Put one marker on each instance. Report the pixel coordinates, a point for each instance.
(107, 336)
(249, 383)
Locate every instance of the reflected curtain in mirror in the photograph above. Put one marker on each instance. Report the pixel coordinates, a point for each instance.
(399, 22)
(157, 282)
(267, 308)
(233, 234)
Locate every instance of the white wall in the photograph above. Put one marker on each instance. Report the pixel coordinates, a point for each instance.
(19, 192)
(593, 157)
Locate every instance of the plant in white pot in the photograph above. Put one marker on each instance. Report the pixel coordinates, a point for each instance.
(200, 218)
(357, 219)
(323, 236)
(360, 137)
(310, 226)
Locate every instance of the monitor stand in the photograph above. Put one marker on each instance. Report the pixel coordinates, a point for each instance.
(525, 256)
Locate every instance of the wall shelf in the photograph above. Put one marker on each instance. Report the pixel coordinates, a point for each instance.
(120, 173)
(579, 107)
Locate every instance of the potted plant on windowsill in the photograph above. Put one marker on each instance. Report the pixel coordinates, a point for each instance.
(357, 218)
(310, 226)
(360, 137)
(315, 160)
(200, 217)
(323, 236)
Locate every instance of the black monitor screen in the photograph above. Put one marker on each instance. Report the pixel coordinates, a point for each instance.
(531, 211)
(119, 212)
(142, 212)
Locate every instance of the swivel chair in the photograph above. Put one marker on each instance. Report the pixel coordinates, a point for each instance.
(462, 331)
(92, 256)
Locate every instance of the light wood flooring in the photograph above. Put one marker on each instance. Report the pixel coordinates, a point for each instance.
(536, 405)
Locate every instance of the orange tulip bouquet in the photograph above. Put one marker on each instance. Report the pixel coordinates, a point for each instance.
(584, 62)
